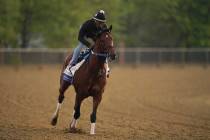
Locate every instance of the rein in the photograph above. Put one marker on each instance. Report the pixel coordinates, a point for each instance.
(101, 56)
(106, 55)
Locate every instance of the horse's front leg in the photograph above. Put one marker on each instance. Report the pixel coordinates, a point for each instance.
(76, 113)
(96, 102)
(63, 87)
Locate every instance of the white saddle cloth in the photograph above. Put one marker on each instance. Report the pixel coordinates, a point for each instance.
(71, 71)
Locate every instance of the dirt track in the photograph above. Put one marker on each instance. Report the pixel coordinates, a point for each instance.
(141, 103)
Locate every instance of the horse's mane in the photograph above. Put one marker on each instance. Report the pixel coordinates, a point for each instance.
(100, 32)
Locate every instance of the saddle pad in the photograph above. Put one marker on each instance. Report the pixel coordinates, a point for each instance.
(70, 71)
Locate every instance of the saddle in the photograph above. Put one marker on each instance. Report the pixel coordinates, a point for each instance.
(69, 71)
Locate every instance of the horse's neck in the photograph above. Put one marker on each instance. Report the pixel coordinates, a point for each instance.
(95, 64)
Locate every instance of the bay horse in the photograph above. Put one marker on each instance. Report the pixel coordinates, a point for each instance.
(89, 79)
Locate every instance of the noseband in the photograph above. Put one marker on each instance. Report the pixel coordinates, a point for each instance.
(101, 55)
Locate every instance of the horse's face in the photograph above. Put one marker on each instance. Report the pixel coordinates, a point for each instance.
(105, 44)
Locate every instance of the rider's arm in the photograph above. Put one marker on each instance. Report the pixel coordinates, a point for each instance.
(82, 34)
(82, 39)
(104, 26)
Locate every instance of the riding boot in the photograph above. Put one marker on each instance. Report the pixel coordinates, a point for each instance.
(76, 53)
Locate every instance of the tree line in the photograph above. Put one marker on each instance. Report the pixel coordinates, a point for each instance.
(136, 23)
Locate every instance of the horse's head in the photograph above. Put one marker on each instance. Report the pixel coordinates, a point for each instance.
(104, 44)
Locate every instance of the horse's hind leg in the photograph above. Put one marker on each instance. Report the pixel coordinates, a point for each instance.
(76, 113)
(63, 86)
(96, 102)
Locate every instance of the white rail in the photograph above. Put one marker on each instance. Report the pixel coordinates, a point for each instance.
(135, 56)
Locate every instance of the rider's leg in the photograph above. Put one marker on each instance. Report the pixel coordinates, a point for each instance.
(67, 74)
(76, 53)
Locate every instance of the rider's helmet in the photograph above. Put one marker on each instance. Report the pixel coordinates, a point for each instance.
(100, 16)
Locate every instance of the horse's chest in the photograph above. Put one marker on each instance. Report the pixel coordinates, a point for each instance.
(96, 86)
(90, 85)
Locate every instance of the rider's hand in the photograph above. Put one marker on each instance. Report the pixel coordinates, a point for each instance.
(90, 41)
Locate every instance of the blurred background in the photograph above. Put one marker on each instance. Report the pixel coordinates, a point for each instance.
(145, 31)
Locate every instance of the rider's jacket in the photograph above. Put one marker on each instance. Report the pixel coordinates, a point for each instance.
(88, 30)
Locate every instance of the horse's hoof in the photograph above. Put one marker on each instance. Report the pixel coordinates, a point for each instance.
(73, 130)
(54, 121)
(92, 133)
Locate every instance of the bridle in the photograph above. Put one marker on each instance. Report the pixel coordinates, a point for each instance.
(106, 55)
(101, 56)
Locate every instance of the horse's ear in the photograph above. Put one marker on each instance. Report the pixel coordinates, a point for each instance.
(110, 28)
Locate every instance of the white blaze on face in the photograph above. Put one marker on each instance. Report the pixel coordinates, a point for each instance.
(112, 44)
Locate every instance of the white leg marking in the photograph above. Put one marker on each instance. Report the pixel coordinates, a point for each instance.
(73, 123)
(57, 110)
(92, 128)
